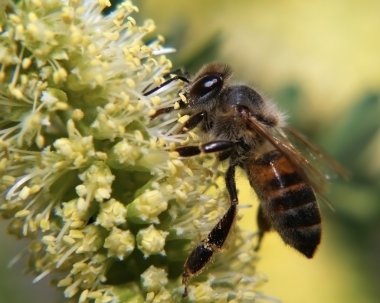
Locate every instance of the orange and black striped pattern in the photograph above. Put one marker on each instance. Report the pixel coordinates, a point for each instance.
(288, 202)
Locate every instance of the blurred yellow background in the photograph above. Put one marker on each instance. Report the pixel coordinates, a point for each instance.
(330, 52)
(330, 47)
(328, 277)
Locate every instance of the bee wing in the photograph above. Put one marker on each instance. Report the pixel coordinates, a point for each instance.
(316, 152)
(280, 140)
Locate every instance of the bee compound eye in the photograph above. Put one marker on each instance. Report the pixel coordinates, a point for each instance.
(207, 86)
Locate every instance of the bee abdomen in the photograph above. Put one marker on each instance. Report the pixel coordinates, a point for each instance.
(287, 201)
(295, 215)
(295, 206)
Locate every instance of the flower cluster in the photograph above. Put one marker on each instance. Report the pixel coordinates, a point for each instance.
(85, 172)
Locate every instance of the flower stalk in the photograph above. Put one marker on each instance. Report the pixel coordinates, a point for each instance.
(110, 210)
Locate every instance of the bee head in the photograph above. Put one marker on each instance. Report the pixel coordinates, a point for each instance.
(207, 85)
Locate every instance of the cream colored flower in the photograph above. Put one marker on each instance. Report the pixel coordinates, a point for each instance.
(88, 176)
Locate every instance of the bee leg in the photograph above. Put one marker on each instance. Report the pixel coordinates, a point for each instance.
(153, 90)
(175, 78)
(178, 72)
(193, 121)
(209, 147)
(203, 252)
(166, 110)
(263, 225)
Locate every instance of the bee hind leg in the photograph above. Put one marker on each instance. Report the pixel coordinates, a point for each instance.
(263, 225)
(204, 251)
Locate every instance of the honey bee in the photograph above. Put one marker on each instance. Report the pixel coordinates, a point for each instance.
(250, 132)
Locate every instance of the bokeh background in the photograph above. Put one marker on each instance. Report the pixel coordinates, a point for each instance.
(320, 61)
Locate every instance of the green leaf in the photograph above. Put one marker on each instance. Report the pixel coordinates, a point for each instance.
(349, 137)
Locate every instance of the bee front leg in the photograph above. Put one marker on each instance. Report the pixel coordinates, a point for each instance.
(167, 82)
(165, 110)
(215, 240)
(193, 121)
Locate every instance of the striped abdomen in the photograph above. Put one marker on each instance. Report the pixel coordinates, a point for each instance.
(288, 203)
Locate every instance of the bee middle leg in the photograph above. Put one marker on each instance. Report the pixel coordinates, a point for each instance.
(209, 147)
(203, 252)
